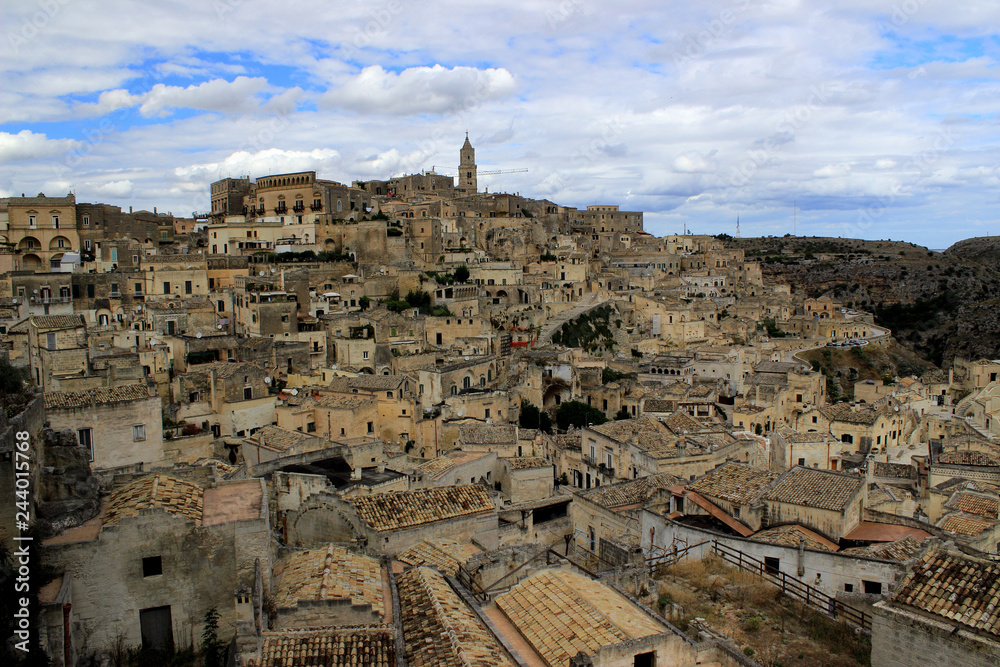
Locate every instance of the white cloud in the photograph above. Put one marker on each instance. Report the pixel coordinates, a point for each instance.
(241, 95)
(26, 145)
(833, 171)
(260, 163)
(417, 90)
(116, 188)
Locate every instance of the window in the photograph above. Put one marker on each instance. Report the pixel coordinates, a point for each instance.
(138, 432)
(802, 461)
(32, 222)
(152, 566)
(364, 355)
(872, 587)
(487, 413)
(166, 287)
(90, 291)
(86, 244)
(371, 427)
(848, 588)
(311, 427)
(50, 341)
(55, 222)
(187, 287)
(247, 393)
(86, 221)
(814, 419)
(772, 565)
(85, 436)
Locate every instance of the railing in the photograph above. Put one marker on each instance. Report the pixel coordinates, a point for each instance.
(810, 596)
(114, 294)
(53, 299)
(316, 207)
(298, 208)
(664, 558)
(590, 460)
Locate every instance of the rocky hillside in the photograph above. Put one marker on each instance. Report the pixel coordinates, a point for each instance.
(845, 366)
(938, 304)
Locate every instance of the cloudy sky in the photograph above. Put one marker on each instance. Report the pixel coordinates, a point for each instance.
(864, 118)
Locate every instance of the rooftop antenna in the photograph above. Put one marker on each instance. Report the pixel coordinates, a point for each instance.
(737, 225)
(794, 218)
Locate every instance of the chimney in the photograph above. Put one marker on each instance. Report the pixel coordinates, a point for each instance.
(129, 209)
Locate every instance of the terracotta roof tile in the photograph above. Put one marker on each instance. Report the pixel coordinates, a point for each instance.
(561, 613)
(790, 535)
(333, 573)
(822, 489)
(957, 587)
(181, 498)
(526, 462)
(444, 554)
(734, 482)
(404, 509)
(102, 395)
(632, 492)
(899, 551)
(329, 647)
(439, 630)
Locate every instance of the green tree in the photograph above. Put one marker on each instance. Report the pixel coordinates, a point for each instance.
(575, 413)
(461, 273)
(212, 650)
(532, 417)
(622, 414)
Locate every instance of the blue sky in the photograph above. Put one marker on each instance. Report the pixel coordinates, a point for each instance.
(866, 118)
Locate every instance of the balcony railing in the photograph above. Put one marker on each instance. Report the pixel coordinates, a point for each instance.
(52, 299)
(316, 207)
(589, 460)
(299, 207)
(280, 210)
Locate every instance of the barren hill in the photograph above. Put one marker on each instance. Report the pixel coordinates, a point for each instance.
(938, 304)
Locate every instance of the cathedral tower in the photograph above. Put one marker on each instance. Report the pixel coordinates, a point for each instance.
(467, 182)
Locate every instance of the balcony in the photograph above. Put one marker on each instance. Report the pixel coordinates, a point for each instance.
(590, 460)
(114, 294)
(299, 207)
(52, 299)
(280, 210)
(315, 207)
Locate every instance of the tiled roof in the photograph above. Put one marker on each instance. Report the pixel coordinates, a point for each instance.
(899, 551)
(964, 525)
(52, 322)
(439, 630)
(658, 405)
(444, 554)
(734, 482)
(966, 457)
(957, 587)
(278, 439)
(333, 573)
(972, 503)
(561, 613)
(822, 489)
(790, 535)
(404, 509)
(525, 462)
(843, 412)
(225, 369)
(632, 492)
(894, 470)
(485, 434)
(329, 647)
(436, 466)
(767, 379)
(55, 400)
(181, 498)
(680, 421)
(366, 382)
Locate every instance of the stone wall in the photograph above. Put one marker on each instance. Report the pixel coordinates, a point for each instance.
(901, 638)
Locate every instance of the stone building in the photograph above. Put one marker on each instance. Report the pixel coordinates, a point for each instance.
(121, 427)
(163, 552)
(943, 613)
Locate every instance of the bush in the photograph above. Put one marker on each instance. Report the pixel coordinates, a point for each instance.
(575, 413)
(751, 623)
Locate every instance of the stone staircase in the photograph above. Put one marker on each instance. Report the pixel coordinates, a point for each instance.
(588, 303)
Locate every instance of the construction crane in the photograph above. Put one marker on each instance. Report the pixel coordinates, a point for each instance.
(493, 172)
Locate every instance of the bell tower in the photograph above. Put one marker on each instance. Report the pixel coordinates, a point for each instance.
(467, 182)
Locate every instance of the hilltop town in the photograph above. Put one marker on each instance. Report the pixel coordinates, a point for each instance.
(413, 422)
